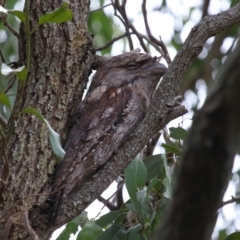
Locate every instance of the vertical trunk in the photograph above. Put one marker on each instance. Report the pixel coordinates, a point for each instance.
(61, 56)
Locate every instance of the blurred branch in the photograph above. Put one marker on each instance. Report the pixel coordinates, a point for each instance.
(157, 44)
(205, 7)
(203, 68)
(232, 200)
(208, 156)
(121, 9)
(163, 50)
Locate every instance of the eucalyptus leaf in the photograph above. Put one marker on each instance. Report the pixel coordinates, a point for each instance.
(5, 100)
(53, 136)
(109, 218)
(153, 165)
(132, 233)
(71, 228)
(135, 176)
(115, 232)
(55, 143)
(83, 218)
(90, 231)
(178, 133)
(167, 182)
(34, 112)
(22, 75)
(171, 148)
(233, 236)
(154, 182)
(21, 15)
(60, 15)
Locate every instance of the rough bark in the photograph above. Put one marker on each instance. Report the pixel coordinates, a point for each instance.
(61, 57)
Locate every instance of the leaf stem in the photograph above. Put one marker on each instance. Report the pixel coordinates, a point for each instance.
(28, 37)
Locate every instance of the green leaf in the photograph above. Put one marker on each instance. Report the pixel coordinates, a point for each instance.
(115, 232)
(34, 112)
(233, 236)
(71, 228)
(178, 133)
(168, 187)
(136, 173)
(154, 182)
(103, 27)
(167, 181)
(5, 100)
(135, 176)
(171, 148)
(132, 233)
(55, 143)
(62, 14)
(153, 165)
(53, 136)
(22, 75)
(109, 218)
(90, 231)
(83, 218)
(143, 198)
(6, 70)
(21, 15)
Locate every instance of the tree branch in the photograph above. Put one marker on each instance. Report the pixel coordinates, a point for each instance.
(159, 114)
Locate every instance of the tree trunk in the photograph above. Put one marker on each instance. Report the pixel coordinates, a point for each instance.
(61, 57)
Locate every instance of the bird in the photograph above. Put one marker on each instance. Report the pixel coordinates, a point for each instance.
(116, 102)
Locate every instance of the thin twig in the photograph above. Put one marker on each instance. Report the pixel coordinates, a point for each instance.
(160, 43)
(232, 200)
(117, 6)
(151, 37)
(11, 84)
(205, 6)
(6, 24)
(3, 121)
(1, 55)
(111, 42)
(28, 227)
(148, 150)
(107, 204)
(5, 232)
(101, 8)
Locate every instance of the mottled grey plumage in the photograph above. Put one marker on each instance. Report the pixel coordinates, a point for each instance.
(116, 102)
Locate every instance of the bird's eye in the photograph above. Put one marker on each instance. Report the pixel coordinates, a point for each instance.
(133, 65)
